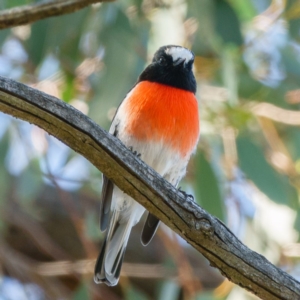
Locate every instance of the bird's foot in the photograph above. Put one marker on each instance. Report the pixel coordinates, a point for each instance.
(185, 194)
(134, 152)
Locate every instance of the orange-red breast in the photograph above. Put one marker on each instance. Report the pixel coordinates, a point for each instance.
(159, 120)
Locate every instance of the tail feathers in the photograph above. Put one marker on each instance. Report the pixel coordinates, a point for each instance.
(149, 229)
(106, 199)
(108, 265)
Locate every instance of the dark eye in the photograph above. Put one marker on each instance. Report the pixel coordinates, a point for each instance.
(162, 61)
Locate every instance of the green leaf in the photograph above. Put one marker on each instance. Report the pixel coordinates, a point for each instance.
(205, 37)
(92, 225)
(4, 176)
(68, 93)
(14, 3)
(36, 45)
(291, 61)
(237, 116)
(4, 33)
(244, 9)
(65, 33)
(60, 35)
(297, 221)
(169, 291)
(248, 87)
(227, 23)
(207, 188)
(133, 293)
(254, 164)
(291, 13)
(294, 28)
(292, 141)
(206, 296)
(29, 184)
(122, 64)
(82, 292)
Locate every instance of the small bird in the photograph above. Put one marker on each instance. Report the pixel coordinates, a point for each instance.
(159, 120)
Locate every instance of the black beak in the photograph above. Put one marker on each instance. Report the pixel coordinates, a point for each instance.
(178, 61)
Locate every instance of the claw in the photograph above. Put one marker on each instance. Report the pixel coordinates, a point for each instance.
(185, 194)
(134, 152)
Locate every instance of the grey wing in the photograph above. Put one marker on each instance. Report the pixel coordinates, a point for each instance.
(107, 188)
(149, 229)
(106, 197)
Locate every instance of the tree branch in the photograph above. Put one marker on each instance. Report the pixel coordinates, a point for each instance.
(30, 13)
(203, 231)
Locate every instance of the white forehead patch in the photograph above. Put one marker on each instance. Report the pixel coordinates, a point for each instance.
(179, 52)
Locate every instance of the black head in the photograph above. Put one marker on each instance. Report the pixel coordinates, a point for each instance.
(172, 65)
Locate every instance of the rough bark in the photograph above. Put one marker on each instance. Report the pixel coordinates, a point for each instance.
(203, 231)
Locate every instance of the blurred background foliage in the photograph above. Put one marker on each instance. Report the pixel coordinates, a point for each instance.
(246, 169)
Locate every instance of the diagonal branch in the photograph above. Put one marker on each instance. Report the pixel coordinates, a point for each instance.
(203, 231)
(30, 13)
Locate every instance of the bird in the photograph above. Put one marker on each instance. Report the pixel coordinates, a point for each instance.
(159, 121)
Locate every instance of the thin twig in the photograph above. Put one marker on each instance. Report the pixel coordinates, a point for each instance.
(186, 277)
(275, 113)
(20, 266)
(76, 219)
(36, 233)
(31, 13)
